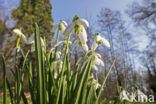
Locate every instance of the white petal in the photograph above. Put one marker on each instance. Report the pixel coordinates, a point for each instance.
(94, 67)
(85, 47)
(54, 28)
(17, 31)
(69, 29)
(31, 39)
(64, 23)
(42, 42)
(98, 61)
(62, 28)
(24, 38)
(98, 55)
(55, 75)
(58, 53)
(105, 42)
(94, 45)
(83, 35)
(101, 63)
(83, 22)
(14, 51)
(32, 48)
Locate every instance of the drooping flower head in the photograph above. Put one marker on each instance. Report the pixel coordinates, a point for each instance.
(18, 34)
(61, 26)
(78, 25)
(98, 40)
(97, 61)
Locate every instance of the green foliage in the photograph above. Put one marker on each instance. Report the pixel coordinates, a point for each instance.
(30, 12)
(70, 86)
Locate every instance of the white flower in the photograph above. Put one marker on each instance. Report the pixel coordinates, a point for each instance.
(55, 75)
(124, 95)
(33, 48)
(85, 47)
(81, 22)
(24, 38)
(83, 35)
(58, 54)
(96, 84)
(18, 34)
(94, 45)
(94, 67)
(17, 50)
(31, 39)
(61, 26)
(97, 61)
(69, 29)
(42, 42)
(58, 65)
(98, 40)
(17, 31)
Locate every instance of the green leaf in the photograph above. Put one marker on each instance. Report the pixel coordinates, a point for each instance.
(4, 82)
(39, 64)
(104, 81)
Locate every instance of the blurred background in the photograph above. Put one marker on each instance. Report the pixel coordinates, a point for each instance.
(129, 25)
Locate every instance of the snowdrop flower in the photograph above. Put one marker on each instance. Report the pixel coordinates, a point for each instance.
(124, 95)
(55, 74)
(82, 22)
(85, 47)
(61, 26)
(31, 39)
(18, 34)
(17, 49)
(98, 40)
(97, 61)
(96, 84)
(58, 54)
(82, 35)
(78, 25)
(76, 20)
(58, 65)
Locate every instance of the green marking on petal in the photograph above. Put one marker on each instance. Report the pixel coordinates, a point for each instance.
(80, 44)
(18, 35)
(77, 28)
(81, 29)
(99, 42)
(60, 27)
(75, 18)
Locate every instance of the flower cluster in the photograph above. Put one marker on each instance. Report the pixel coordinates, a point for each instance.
(17, 35)
(77, 27)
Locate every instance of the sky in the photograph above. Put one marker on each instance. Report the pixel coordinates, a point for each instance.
(67, 9)
(63, 9)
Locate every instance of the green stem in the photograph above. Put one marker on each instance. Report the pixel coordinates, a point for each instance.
(105, 81)
(64, 64)
(17, 44)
